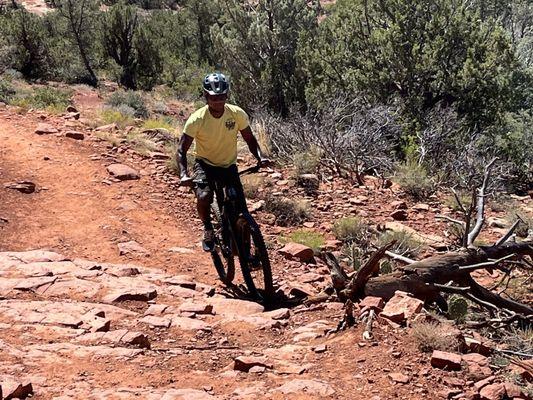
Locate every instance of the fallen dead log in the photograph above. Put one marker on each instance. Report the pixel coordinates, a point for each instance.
(428, 278)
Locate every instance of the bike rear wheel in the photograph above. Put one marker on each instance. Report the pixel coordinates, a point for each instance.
(253, 258)
(222, 254)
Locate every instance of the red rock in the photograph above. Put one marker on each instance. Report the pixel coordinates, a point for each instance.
(244, 363)
(376, 303)
(130, 247)
(75, 135)
(122, 172)
(445, 360)
(190, 324)
(22, 186)
(298, 251)
(484, 382)
(11, 388)
(399, 377)
(399, 215)
(421, 207)
(475, 358)
(136, 339)
(512, 390)
(43, 129)
(495, 391)
(156, 321)
(401, 307)
(196, 308)
(399, 205)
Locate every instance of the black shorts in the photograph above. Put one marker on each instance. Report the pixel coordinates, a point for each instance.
(206, 175)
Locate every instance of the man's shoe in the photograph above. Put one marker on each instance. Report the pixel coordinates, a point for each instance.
(208, 243)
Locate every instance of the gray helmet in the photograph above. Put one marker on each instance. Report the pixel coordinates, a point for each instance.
(216, 83)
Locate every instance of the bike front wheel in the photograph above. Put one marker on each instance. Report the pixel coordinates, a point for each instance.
(222, 254)
(253, 258)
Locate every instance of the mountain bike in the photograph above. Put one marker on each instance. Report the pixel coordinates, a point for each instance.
(238, 235)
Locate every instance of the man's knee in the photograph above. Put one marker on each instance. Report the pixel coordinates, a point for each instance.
(204, 196)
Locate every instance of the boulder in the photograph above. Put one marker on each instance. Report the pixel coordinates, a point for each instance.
(495, 391)
(297, 251)
(45, 129)
(122, 172)
(75, 135)
(445, 360)
(399, 215)
(401, 307)
(373, 302)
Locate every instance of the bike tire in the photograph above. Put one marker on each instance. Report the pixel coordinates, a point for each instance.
(252, 248)
(223, 260)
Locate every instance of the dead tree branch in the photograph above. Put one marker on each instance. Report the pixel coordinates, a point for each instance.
(474, 233)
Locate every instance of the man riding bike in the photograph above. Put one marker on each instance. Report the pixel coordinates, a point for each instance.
(214, 128)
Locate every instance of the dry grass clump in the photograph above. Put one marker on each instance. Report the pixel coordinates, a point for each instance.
(431, 336)
(288, 212)
(350, 229)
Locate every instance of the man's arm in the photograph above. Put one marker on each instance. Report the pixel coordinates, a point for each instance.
(181, 155)
(251, 141)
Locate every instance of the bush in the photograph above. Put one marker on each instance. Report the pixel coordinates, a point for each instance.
(406, 244)
(350, 229)
(45, 98)
(310, 239)
(414, 180)
(122, 117)
(6, 91)
(306, 162)
(158, 123)
(431, 336)
(457, 308)
(141, 144)
(353, 253)
(514, 212)
(131, 99)
(251, 185)
(287, 211)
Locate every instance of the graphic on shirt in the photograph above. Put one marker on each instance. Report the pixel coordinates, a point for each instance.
(230, 124)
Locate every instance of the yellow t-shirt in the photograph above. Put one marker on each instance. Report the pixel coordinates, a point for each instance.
(216, 138)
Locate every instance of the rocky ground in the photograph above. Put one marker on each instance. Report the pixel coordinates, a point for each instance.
(105, 293)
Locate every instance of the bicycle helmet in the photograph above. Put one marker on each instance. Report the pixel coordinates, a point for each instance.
(216, 83)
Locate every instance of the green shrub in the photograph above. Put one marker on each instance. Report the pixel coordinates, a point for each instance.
(287, 211)
(350, 229)
(406, 244)
(414, 180)
(457, 308)
(310, 239)
(306, 162)
(514, 212)
(464, 197)
(6, 91)
(43, 98)
(131, 99)
(140, 143)
(161, 122)
(122, 119)
(353, 253)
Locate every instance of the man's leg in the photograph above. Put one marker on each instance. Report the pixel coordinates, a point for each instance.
(204, 198)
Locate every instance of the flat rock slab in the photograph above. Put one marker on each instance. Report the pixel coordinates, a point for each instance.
(45, 129)
(245, 363)
(125, 294)
(228, 307)
(118, 337)
(122, 172)
(26, 187)
(306, 386)
(445, 360)
(75, 135)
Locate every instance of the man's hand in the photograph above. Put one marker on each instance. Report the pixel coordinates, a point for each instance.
(186, 180)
